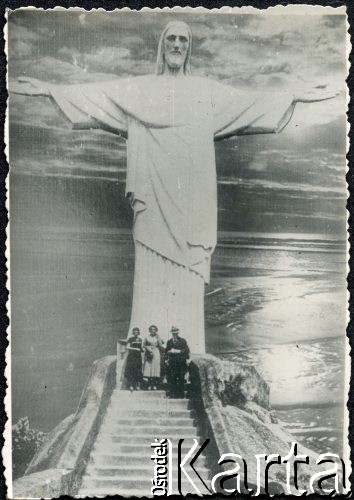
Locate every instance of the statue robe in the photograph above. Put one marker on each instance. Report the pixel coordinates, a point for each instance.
(171, 125)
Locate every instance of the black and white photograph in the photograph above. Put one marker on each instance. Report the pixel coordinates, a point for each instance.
(177, 250)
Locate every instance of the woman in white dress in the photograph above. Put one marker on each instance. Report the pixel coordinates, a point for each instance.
(152, 358)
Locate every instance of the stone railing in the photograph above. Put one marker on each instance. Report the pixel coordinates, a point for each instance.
(57, 467)
(121, 360)
(231, 401)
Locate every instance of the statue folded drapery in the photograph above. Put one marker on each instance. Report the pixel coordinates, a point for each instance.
(171, 125)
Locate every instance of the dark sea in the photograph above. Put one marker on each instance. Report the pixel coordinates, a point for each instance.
(278, 301)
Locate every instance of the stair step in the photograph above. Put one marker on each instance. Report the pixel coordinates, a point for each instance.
(103, 492)
(161, 422)
(146, 397)
(104, 444)
(144, 472)
(138, 483)
(151, 431)
(150, 400)
(106, 459)
(113, 413)
(150, 404)
(143, 440)
(120, 394)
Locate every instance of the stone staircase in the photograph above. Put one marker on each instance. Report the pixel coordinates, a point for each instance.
(120, 462)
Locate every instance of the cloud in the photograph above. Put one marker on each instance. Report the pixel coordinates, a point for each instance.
(297, 187)
(301, 215)
(299, 47)
(38, 112)
(22, 49)
(71, 55)
(82, 18)
(270, 68)
(22, 41)
(110, 59)
(259, 165)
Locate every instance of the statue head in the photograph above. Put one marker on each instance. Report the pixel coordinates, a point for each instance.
(174, 48)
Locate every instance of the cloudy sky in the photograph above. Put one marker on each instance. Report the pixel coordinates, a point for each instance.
(297, 175)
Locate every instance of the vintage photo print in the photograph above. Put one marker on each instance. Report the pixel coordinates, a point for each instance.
(177, 252)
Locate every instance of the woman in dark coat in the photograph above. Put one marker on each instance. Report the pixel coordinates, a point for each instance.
(133, 366)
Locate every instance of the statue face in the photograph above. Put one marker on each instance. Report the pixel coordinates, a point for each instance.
(176, 44)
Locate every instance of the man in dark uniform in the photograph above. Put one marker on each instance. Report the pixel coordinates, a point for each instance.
(177, 353)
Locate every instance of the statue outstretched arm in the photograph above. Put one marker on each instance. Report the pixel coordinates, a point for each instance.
(245, 113)
(30, 87)
(85, 106)
(315, 95)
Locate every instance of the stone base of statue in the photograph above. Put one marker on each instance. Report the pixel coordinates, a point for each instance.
(226, 403)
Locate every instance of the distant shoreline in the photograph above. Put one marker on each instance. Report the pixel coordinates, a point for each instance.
(289, 342)
(299, 405)
(293, 242)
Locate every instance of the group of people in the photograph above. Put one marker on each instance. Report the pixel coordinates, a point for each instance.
(150, 360)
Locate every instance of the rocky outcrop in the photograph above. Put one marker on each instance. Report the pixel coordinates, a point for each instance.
(231, 405)
(229, 383)
(232, 401)
(66, 451)
(50, 483)
(45, 456)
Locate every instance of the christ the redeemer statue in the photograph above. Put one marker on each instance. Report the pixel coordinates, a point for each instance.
(171, 120)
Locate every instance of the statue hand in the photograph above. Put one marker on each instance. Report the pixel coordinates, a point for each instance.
(31, 87)
(316, 95)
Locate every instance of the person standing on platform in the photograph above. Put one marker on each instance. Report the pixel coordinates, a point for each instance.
(177, 353)
(152, 360)
(133, 367)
